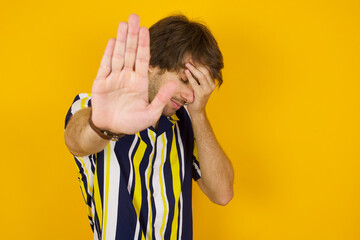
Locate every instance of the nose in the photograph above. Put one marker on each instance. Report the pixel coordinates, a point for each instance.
(187, 93)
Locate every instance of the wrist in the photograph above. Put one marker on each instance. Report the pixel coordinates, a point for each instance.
(197, 115)
(104, 134)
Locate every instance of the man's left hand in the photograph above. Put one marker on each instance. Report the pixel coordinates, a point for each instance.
(203, 85)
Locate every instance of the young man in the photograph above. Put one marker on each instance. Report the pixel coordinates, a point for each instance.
(135, 143)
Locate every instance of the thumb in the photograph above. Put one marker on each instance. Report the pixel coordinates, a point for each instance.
(162, 97)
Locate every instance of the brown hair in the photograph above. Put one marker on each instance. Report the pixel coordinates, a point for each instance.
(172, 37)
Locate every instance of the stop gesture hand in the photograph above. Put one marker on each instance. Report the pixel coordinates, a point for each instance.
(120, 100)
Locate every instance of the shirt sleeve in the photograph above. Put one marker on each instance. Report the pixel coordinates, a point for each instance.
(81, 101)
(85, 165)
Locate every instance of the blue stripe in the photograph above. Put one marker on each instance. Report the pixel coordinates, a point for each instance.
(100, 173)
(187, 137)
(123, 158)
(126, 224)
(144, 211)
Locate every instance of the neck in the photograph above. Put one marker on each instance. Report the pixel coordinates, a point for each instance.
(155, 125)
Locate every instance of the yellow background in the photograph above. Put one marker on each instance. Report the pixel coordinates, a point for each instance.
(287, 115)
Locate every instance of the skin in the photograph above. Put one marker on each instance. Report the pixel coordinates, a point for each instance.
(128, 96)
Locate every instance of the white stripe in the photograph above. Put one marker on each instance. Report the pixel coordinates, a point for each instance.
(149, 222)
(95, 234)
(181, 146)
(159, 206)
(114, 182)
(76, 106)
(197, 168)
(181, 210)
(83, 95)
(164, 186)
(130, 182)
(136, 235)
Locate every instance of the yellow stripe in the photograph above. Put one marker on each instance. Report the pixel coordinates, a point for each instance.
(106, 187)
(137, 191)
(175, 169)
(137, 188)
(174, 118)
(83, 101)
(162, 188)
(148, 187)
(195, 152)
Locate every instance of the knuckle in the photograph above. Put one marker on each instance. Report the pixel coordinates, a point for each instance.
(120, 40)
(128, 68)
(142, 59)
(130, 50)
(105, 66)
(133, 34)
(118, 57)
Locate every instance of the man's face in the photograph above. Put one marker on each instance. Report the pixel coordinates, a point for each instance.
(183, 93)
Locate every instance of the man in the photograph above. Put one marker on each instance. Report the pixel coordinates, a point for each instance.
(136, 145)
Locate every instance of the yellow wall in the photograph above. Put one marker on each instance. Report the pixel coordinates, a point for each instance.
(287, 115)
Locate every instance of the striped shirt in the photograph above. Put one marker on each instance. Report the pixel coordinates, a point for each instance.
(140, 187)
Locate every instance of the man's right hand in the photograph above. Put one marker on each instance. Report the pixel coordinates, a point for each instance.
(120, 100)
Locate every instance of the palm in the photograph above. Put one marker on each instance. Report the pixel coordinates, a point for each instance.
(120, 91)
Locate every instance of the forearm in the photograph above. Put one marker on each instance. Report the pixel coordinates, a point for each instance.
(80, 138)
(216, 170)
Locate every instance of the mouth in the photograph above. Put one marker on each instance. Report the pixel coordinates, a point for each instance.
(176, 104)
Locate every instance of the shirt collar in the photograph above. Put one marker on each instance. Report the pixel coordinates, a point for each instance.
(173, 118)
(166, 122)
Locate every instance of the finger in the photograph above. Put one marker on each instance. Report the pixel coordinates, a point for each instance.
(200, 77)
(131, 41)
(162, 98)
(194, 83)
(143, 54)
(105, 65)
(205, 70)
(119, 51)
